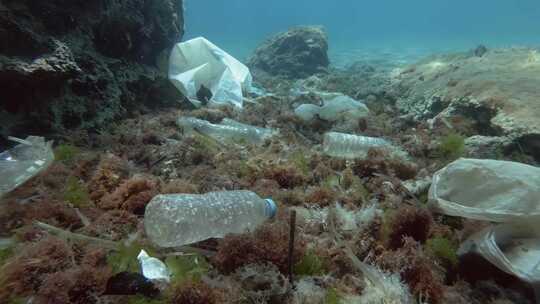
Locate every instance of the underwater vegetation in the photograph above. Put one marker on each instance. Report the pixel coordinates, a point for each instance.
(363, 231)
(451, 146)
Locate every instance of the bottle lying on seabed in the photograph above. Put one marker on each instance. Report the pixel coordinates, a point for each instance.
(173, 220)
(351, 146)
(228, 130)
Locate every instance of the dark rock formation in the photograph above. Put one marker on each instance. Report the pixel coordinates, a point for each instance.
(81, 64)
(297, 53)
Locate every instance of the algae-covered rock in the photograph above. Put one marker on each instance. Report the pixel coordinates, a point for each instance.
(297, 53)
(495, 94)
(71, 64)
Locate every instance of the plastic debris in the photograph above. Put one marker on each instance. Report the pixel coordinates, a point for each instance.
(355, 146)
(513, 247)
(198, 62)
(24, 161)
(334, 108)
(228, 130)
(153, 268)
(173, 220)
(484, 189)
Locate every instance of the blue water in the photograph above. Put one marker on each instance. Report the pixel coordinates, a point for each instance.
(394, 26)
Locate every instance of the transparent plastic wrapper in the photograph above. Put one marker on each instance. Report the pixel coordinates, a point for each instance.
(513, 247)
(199, 62)
(228, 130)
(152, 268)
(173, 220)
(484, 189)
(351, 146)
(24, 161)
(334, 108)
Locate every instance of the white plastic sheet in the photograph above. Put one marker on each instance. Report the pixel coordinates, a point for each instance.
(24, 161)
(484, 189)
(512, 247)
(334, 108)
(199, 62)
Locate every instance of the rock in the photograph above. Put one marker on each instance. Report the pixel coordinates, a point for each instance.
(493, 95)
(82, 64)
(480, 50)
(297, 53)
(479, 146)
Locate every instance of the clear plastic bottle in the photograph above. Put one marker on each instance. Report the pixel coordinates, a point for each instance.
(228, 130)
(172, 220)
(351, 146)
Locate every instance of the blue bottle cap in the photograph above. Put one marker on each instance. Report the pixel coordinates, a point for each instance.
(271, 208)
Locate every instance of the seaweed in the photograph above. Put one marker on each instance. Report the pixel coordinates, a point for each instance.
(193, 292)
(311, 264)
(443, 249)
(76, 193)
(132, 195)
(125, 258)
(268, 244)
(406, 221)
(138, 299)
(186, 267)
(451, 147)
(332, 296)
(66, 153)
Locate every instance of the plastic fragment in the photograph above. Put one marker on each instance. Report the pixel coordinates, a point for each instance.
(152, 268)
(24, 161)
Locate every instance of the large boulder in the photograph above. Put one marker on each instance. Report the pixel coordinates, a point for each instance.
(495, 93)
(82, 64)
(297, 53)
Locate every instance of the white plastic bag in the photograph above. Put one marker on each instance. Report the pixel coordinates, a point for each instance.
(24, 161)
(484, 189)
(199, 62)
(513, 247)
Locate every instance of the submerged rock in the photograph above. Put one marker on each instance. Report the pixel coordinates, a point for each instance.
(297, 53)
(83, 63)
(492, 95)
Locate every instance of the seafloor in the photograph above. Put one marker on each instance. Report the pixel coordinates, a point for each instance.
(72, 234)
(100, 183)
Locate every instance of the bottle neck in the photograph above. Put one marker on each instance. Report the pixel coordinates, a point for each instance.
(270, 209)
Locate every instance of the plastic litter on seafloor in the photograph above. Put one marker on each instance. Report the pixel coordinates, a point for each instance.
(513, 247)
(152, 268)
(351, 146)
(485, 189)
(335, 107)
(228, 130)
(24, 161)
(199, 62)
(174, 220)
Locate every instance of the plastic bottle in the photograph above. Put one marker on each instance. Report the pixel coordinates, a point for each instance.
(228, 130)
(173, 220)
(351, 146)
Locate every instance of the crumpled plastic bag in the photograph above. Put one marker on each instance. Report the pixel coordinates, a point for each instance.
(484, 189)
(199, 62)
(24, 161)
(334, 108)
(512, 247)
